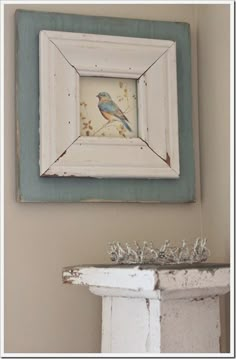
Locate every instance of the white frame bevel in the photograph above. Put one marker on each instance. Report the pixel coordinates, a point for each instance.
(64, 57)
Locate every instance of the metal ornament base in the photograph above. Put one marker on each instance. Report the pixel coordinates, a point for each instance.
(147, 254)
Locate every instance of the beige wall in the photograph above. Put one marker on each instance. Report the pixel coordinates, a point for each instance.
(214, 112)
(41, 314)
(213, 48)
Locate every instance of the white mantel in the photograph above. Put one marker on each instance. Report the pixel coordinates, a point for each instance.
(157, 309)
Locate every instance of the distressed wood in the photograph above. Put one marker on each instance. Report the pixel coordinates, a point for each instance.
(102, 55)
(105, 277)
(64, 57)
(194, 323)
(129, 323)
(106, 324)
(150, 278)
(58, 103)
(141, 325)
(33, 188)
(84, 159)
(155, 309)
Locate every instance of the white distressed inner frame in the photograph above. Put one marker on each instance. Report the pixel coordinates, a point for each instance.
(64, 57)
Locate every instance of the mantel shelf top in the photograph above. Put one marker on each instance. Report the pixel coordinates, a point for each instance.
(203, 265)
(166, 278)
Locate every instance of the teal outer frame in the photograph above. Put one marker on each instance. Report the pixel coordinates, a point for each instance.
(33, 188)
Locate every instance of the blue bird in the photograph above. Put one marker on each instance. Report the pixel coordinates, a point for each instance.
(110, 110)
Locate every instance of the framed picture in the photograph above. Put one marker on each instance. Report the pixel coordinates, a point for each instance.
(103, 109)
(108, 106)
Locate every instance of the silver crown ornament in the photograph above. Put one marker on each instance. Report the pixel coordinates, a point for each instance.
(146, 253)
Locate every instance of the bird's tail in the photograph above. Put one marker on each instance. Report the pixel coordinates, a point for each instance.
(126, 125)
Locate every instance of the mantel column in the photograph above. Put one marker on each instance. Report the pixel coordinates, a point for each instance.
(151, 309)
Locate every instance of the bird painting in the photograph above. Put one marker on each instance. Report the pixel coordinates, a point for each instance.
(110, 111)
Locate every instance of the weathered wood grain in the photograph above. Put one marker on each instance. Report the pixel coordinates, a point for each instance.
(64, 58)
(154, 309)
(33, 188)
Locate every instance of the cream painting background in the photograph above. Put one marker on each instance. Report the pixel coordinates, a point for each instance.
(42, 314)
(122, 92)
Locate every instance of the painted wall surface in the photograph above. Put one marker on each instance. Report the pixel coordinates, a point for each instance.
(41, 314)
(213, 48)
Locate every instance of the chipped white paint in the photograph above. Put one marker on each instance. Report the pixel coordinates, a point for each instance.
(150, 309)
(64, 58)
(106, 277)
(58, 104)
